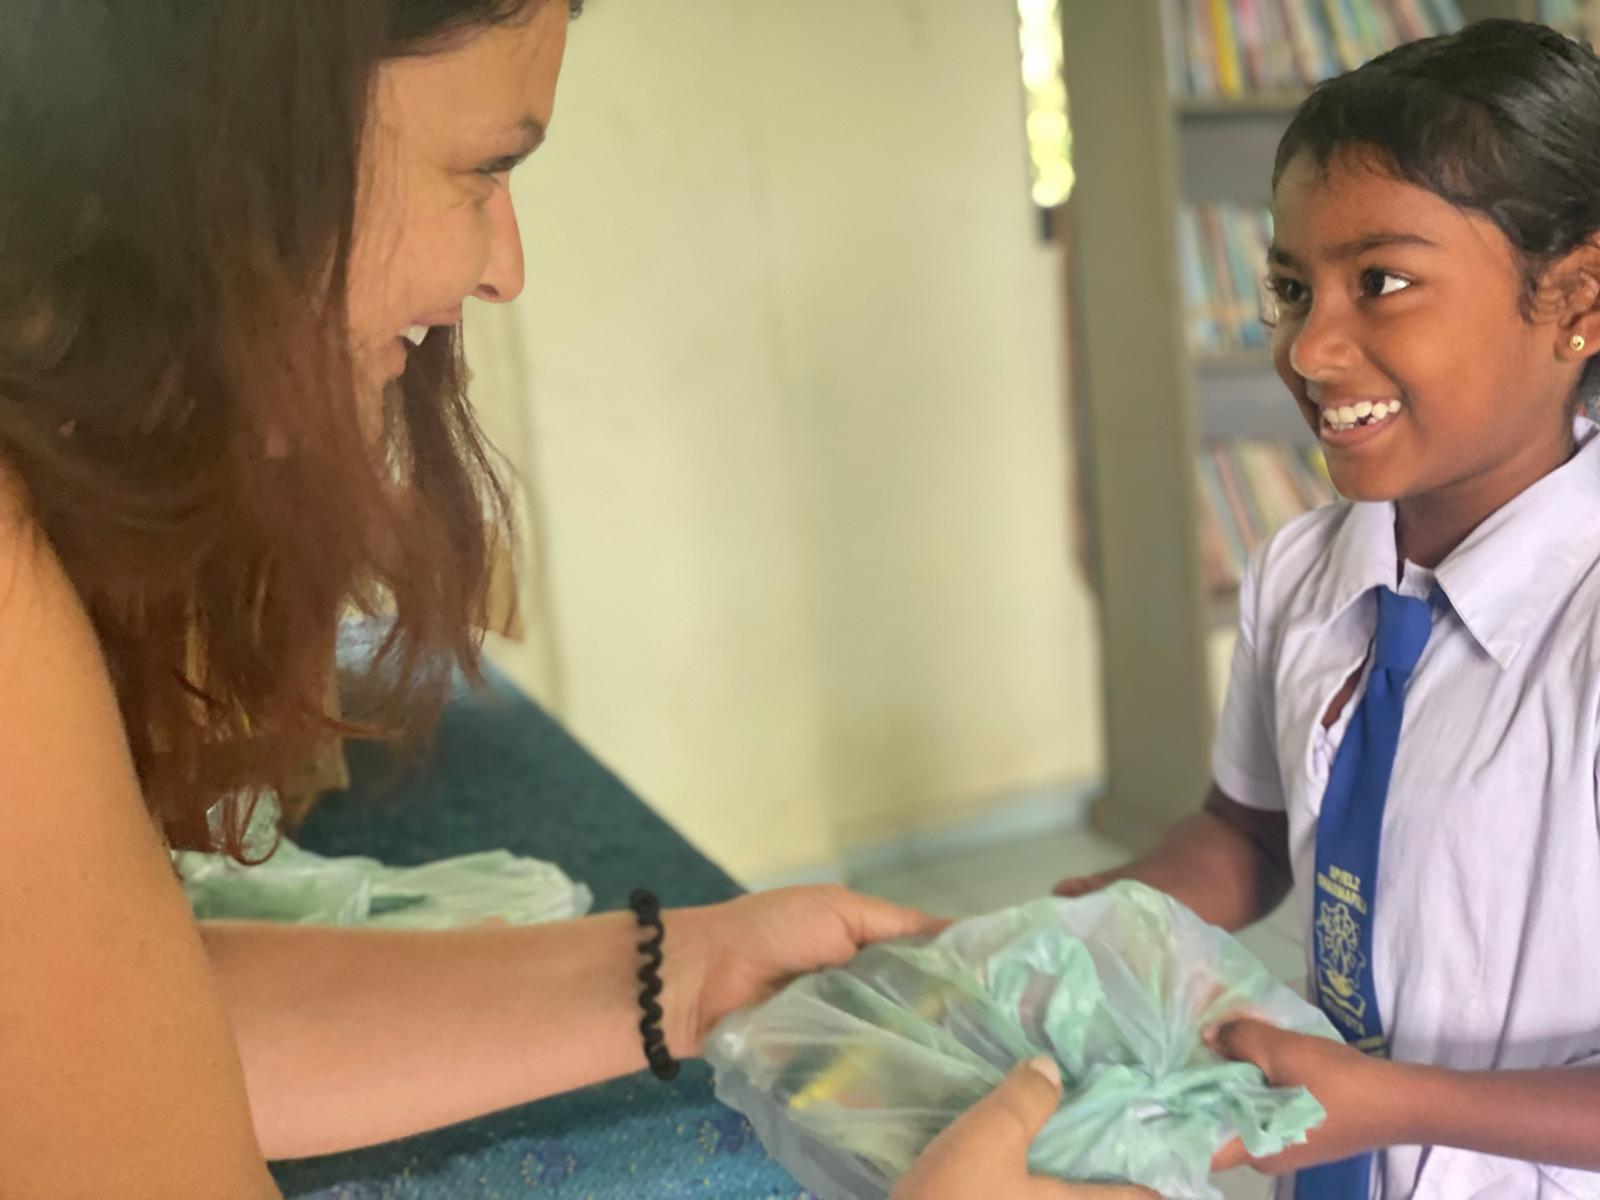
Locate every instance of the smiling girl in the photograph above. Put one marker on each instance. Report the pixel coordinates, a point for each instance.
(1412, 729)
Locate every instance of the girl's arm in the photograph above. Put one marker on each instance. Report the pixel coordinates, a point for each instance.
(1550, 1117)
(118, 1072)
(1229, 863)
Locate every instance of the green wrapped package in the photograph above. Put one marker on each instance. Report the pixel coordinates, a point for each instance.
(849, 1073)
(299, 887)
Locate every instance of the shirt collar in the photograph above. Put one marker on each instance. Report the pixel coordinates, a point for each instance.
(1504, 579)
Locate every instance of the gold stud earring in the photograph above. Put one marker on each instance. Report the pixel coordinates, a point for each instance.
(1576, 341)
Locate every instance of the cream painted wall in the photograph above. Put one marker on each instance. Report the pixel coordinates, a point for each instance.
(786, 386)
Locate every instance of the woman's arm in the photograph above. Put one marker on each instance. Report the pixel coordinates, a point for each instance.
(353, 1036)
(118, 1072)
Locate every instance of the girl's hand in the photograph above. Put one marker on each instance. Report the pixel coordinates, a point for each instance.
(1074, 886)
(985, 1153)
(1365, 1097)
(728, 956)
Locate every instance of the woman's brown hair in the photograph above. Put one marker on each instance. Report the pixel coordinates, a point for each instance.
(178, 192)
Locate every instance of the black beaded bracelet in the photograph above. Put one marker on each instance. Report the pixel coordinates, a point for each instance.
(648, 910)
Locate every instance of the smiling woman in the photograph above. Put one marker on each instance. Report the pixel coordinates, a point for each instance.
(235, 242)
(434, 221)
(216, 221)
(216, 233)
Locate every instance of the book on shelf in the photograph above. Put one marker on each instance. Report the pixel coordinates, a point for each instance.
(1225, 45)
(1222, 252)
(1578, 19)
(1248, 490)
(1230, 49)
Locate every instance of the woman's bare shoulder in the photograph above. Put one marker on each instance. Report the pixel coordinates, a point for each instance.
(43, 625)
(116, 1059)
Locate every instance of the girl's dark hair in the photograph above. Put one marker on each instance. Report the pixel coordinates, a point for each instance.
(178, 403)
(1501, 119)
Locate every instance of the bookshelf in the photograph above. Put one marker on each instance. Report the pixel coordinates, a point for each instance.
(1147, 406)
(1270, 104)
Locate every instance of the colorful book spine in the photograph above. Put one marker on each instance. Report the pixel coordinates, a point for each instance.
(1384, 28)
(1447, 16)
(1246, 520)
(1277, 47)
(1276, 498)
(1248, 490)
(1256, 230)
(1233, 47)
(1225, 42)
(1200, 321)
(1197, 38)
(1412, 22)
(1327, 52)
(1317, 467)
(1222, 259)
(1361, 17)
(1245, 275)
(1220, 560)
(1229, 550)
(1303, 41)
(1219, 275)
(1577, 19)
(1346, 45)
(1252, 50)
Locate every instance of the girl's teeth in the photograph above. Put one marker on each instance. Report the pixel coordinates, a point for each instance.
(415, 334)
(1364, 412)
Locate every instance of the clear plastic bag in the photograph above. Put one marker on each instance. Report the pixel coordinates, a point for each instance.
(848, 1074)
(297, 886)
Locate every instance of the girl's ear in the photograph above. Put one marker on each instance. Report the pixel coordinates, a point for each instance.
(1569, 296)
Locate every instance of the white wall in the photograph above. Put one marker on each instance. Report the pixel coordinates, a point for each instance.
(791, 406)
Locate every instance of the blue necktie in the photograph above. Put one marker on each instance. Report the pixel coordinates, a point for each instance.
(1345, 889)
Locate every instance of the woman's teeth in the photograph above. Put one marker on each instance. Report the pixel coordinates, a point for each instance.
(415, 334)
(1348, 416)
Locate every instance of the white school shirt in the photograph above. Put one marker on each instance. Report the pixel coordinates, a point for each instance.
(1486, 930)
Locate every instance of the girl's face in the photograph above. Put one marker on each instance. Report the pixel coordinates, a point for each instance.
(434, 221)
(1400, 335)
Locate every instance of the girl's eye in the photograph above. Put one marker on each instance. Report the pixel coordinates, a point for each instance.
(1377, 282)
(1289, 293)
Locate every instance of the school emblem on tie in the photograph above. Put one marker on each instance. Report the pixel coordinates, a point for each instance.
(1339, 942)
(1339, 938)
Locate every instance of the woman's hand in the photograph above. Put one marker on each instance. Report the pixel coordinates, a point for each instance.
(985, 1153)
(1365, 1097)
(728, 956)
